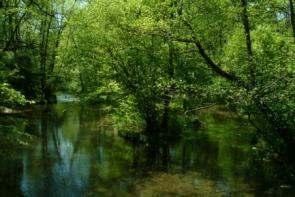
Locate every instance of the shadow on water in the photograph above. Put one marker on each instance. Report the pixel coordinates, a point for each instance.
(80, 153)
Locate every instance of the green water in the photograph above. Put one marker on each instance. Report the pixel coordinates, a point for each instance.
(78, 152)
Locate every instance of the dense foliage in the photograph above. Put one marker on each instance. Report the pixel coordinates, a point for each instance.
(29, 37)
(188, 54)
(10, 97)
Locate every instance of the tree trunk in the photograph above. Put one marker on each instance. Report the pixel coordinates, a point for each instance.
(247, 29)
(45, 31)
(292, 15)
(167, 97)
(82, 83)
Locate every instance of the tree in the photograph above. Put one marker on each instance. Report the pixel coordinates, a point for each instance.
(143, 41)
(32, 31)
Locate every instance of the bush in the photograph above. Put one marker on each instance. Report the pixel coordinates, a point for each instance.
(10, 97)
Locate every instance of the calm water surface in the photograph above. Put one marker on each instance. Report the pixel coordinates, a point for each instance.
(79, 153)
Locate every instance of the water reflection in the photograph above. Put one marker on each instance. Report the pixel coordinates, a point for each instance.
(10, 174)
(80, 154)
(53, 168)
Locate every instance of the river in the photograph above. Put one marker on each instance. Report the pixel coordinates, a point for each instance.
(78, 152)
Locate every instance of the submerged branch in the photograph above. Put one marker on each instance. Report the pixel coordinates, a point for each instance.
(199, 108)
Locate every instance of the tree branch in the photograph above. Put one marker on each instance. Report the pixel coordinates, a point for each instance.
(193, 40)
(208, 60)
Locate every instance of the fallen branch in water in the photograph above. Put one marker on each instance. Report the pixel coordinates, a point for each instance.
(200, 108)
(6, 110)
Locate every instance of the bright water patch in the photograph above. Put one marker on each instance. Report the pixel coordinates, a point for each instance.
(64, 98)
